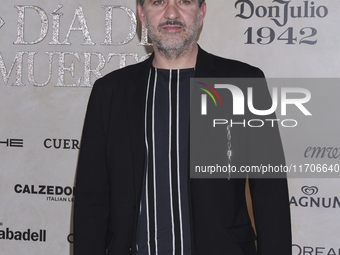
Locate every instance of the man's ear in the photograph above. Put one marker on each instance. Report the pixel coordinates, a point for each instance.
(141, 15)
(203, 10)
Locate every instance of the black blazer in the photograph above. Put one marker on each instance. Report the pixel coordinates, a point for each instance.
(111, 165)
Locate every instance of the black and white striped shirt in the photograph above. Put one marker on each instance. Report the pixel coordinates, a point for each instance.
(164, 224)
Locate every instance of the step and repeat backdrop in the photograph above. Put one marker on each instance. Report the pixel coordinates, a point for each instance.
(52, 52)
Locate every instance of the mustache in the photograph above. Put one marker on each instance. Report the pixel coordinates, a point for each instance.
(172, 23)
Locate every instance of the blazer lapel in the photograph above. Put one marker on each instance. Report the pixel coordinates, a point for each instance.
(204, 64)
(136, 94)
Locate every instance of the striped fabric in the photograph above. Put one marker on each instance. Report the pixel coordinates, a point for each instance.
(164, 227)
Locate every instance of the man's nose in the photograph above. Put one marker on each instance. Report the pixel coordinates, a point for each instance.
(171, 11)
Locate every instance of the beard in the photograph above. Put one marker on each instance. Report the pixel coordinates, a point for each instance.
(174, 44)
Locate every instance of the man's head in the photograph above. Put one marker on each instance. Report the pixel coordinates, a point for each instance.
(200, 2)
(172, 24)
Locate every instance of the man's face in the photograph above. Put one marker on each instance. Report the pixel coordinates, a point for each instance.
(172, 24)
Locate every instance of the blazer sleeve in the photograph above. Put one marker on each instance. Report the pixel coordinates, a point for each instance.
(91, 207)
(270, 194)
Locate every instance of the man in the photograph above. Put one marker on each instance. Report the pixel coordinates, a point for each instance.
(133, 193)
